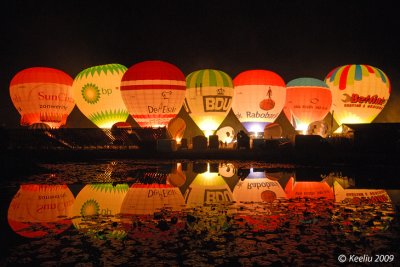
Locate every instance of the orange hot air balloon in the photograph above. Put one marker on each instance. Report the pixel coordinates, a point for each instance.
(359, 93)
(307, 100)
(42, 95)
(39, 210)
(153, 92)
(259, 98)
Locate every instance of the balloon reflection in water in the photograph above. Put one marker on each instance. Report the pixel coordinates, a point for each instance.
(254, 197)
(95, 209)
(210, 207)
(308, 189)
(177, 177)
(208, 188)
(363, 211)
(152, 210)
(38, 210)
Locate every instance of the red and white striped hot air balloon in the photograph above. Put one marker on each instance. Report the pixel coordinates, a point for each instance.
(42, 95)
(153, 92)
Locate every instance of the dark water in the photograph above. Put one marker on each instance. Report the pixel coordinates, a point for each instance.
(199, 213)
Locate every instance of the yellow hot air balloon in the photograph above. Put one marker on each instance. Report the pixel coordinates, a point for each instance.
(359, 93)
(208, 99)
(96, 91)
(42, 95)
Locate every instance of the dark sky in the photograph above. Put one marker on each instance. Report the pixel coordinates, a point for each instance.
(293, 38)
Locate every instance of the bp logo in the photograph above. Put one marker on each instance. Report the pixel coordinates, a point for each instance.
(90, 208)
(91, 93)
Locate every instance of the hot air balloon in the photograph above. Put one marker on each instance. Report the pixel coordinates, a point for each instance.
(208, 98)
(96, 92)
(38, 210)
(359, 93)
(259, 98)
(95, 209)
(42, 95)
(307, 100)
(153, 92)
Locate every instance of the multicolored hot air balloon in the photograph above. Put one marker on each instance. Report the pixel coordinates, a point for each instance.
(307, 100)
(208, 99)
(153, 92)
(259, 98)
(359, 93)
(97, 94)
(42, 95)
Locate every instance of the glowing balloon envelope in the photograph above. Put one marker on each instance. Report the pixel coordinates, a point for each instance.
(153, 92)
(359, 93)
(307, 100)
(42, 95)
(38, 210)
(208, 98)
(259, 98)
(97, 94)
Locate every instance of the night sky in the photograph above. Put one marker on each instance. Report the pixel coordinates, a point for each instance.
(292, 38)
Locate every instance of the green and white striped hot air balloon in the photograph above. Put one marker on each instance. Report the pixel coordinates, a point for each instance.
(96, 91)
(208, 99)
